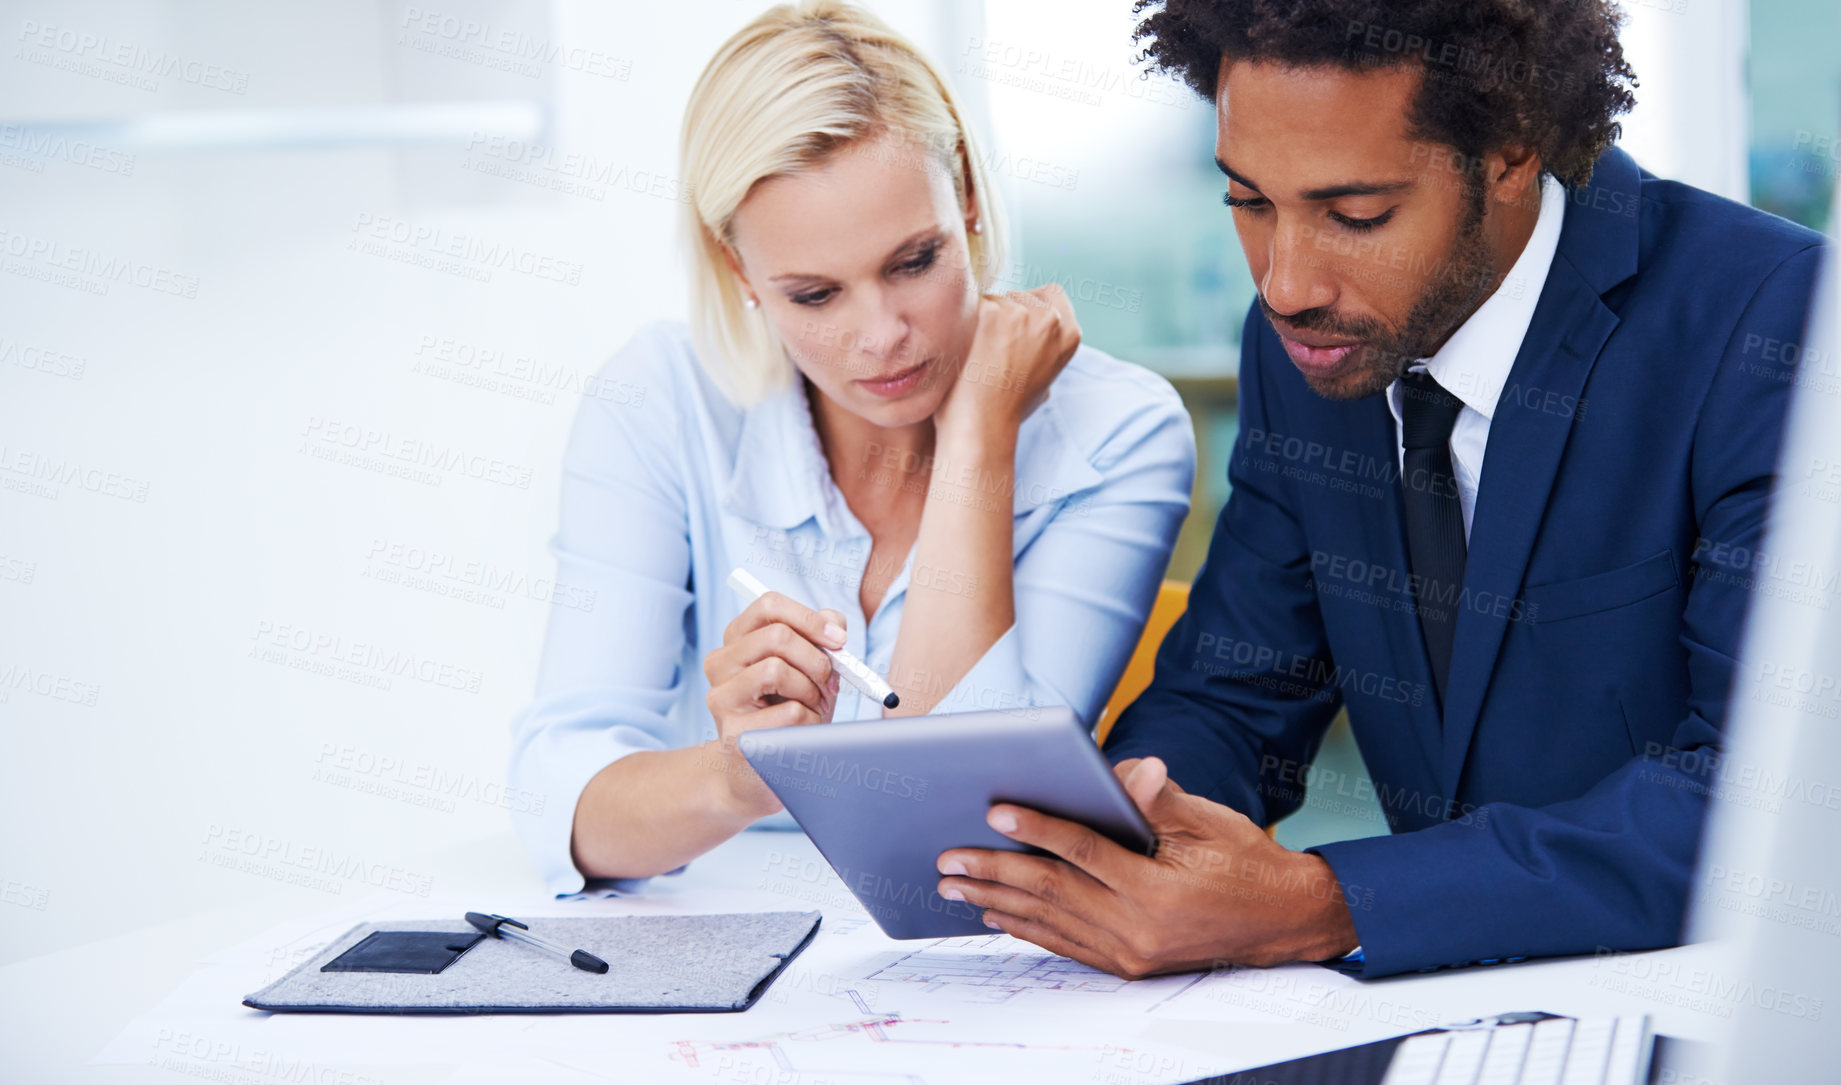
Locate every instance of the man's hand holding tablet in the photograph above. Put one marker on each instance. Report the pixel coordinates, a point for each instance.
(1218, 890)
(882, 799)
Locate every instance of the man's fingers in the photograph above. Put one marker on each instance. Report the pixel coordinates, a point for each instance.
(1146, 782)
(1085, 849)
(1064, 910)
(1041, 934)
(1157, 797)
(1011, 880)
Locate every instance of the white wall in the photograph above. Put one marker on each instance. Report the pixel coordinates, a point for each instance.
(162, 515)
(1692, 118)
(203, 411)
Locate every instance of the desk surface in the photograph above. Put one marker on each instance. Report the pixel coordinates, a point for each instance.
(162, 1004)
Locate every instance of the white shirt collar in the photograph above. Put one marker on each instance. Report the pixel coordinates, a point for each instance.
(782, 479)
(1474, 363)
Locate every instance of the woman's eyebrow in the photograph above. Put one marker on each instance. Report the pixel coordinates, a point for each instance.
(925, 234)
(931, 233)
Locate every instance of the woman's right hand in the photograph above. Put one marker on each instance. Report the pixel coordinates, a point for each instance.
(769, 672)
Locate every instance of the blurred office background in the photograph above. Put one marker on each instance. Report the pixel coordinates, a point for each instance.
(238, 240)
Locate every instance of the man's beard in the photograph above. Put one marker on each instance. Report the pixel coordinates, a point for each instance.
(1458, 287)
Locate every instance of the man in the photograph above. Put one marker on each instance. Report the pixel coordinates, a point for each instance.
(1509, 408)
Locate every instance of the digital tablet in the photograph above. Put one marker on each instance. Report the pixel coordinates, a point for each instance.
(883, 798)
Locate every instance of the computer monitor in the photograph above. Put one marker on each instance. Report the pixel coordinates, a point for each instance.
(1768, 889)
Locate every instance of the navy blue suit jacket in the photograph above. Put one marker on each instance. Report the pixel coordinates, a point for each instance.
(1556, 806)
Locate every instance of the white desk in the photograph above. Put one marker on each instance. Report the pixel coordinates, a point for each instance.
(163, 1004)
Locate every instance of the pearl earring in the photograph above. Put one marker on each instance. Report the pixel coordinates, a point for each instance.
(752, 303)
(978, 227)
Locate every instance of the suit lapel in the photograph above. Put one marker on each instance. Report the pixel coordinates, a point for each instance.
(1527, 440)
(1528, 434)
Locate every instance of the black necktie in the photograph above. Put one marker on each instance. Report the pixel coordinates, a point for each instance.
(1434, 519)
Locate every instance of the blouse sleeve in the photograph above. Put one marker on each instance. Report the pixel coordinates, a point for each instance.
(616, 636)
(1085, 585)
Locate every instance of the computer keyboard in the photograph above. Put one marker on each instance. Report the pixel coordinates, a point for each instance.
(1511, 1050)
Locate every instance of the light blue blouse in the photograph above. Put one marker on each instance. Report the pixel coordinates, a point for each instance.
(667, 486)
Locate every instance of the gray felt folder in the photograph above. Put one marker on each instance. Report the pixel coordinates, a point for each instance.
(656, 964)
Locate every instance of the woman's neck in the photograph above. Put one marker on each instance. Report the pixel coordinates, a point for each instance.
(863, 454)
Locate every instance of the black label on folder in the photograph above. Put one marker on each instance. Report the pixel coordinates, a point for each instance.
(424, 952)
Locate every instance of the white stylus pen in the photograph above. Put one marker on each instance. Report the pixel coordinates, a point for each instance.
(854, 670)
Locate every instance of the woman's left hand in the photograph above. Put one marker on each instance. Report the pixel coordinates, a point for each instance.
(1023, 341)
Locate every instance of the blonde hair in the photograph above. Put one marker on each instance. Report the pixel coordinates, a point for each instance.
(785, 93)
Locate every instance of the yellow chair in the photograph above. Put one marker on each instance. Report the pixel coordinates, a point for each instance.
(1172, 600)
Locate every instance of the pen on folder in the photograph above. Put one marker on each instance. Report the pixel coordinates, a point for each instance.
(503, 926)
(854, 670)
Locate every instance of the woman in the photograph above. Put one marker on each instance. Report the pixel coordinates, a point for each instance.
(981, 507)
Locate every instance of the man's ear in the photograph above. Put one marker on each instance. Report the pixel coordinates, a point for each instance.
(1512, 174)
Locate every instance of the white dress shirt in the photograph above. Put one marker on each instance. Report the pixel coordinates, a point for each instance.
(666, 491)
(1474, 363)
